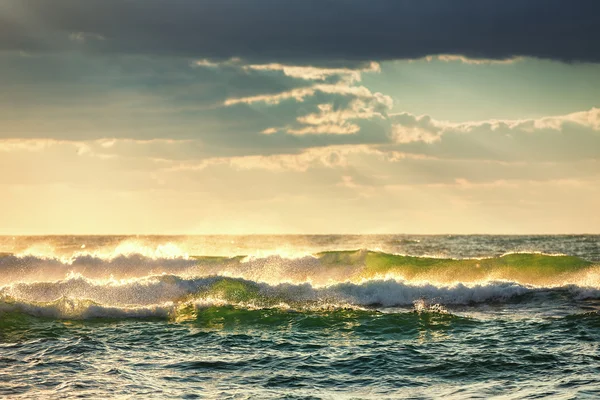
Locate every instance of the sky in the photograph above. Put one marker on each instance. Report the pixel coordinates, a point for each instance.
(299, 116)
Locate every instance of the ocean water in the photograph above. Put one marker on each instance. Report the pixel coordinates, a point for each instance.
(333, 317)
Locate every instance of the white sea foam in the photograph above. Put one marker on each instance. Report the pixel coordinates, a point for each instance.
(65, 308)
(161, 295)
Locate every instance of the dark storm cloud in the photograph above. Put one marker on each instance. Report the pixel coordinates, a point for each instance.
(315, 31)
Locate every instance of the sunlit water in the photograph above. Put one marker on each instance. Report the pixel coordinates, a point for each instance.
(300, 317)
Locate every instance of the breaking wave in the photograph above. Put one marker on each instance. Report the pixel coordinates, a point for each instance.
(321, 268)
(170, 296)
(145, 285)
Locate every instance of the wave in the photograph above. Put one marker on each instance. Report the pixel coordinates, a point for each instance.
(172, 296)
(156, 284)
(321, 268)
(75, 309)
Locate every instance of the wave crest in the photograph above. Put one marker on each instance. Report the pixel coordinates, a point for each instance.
(164, 295)
(320, 269)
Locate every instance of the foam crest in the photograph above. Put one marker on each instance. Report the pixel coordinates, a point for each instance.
(82, 297)
(125, 248)
(65, 308)
(321, 269)
(32, 268)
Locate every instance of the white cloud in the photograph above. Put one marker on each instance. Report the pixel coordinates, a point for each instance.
(305, 72)
(102, 148)
(345, 128)
(473, 61)
(358, 109)
(329, 157)
(337, 121)
(299, 94)
(587, 119)
(408, 128)
(345, 87)
(316, 73)
(408, 134)
(82, 37)
(8, 145)
(342, 156)
(39, 145)
(205, 62)
(328, 120)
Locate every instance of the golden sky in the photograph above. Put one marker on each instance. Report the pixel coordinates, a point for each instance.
(119, 126)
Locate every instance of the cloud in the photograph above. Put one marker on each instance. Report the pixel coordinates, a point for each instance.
(329, 157)
(82, 37)
(330, 119)
(372, 183)
(472, 61)
(310, 31)
(409, 128)
(344, 128)
(316, 73)
(40, 145)
(228, 110)
(358, 109)
(232, 62)
(164, 160)
(587, 119)
(338, 121)
(573, 136)
(299, 94)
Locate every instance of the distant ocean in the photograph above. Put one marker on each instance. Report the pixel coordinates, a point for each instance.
(300, 317)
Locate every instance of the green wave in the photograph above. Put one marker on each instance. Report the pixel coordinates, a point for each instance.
(534, 268)
(324, 267)
(521, 267)
(356, 320)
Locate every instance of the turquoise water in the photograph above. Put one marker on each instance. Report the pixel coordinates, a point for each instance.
(300, 317)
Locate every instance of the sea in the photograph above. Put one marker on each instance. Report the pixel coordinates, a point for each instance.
(300, 317)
